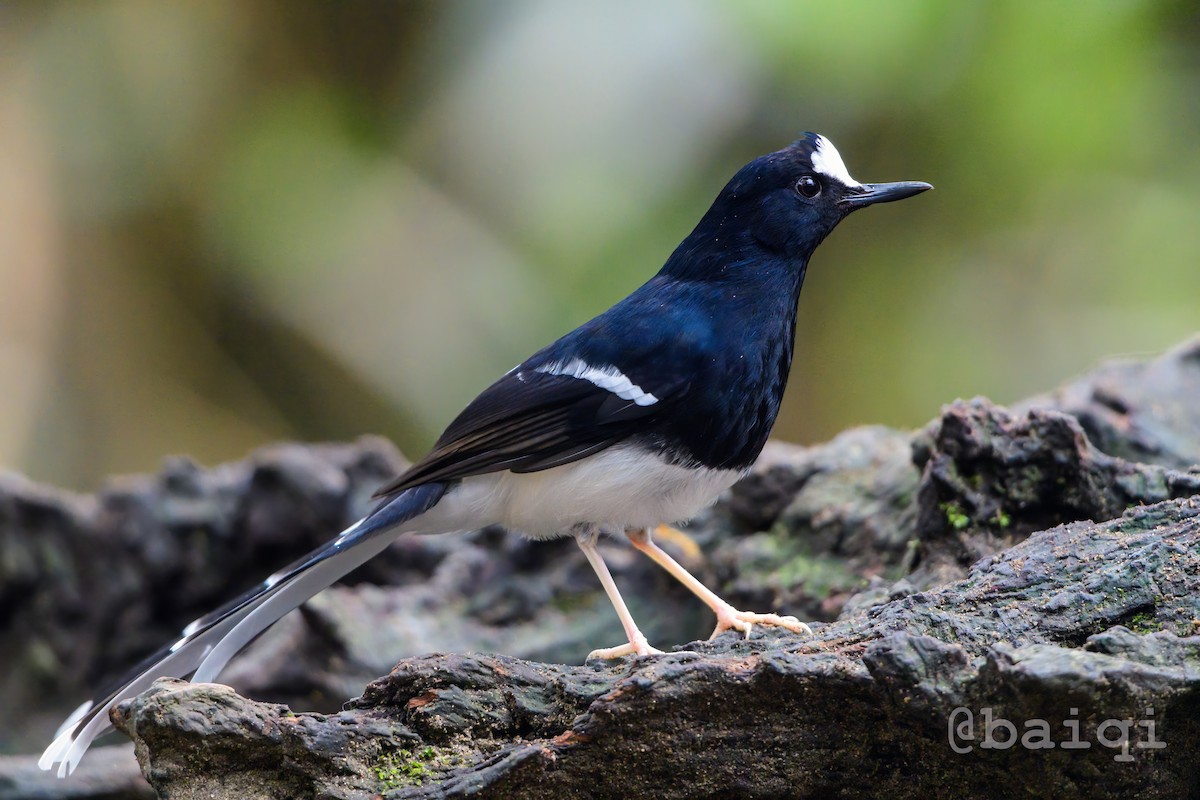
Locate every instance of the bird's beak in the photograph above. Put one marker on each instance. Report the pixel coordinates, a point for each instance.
(871, 193)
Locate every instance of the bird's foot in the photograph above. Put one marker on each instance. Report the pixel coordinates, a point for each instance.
(729, 618)
(641, 648)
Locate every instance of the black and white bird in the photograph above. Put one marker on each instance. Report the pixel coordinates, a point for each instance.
(639, 417)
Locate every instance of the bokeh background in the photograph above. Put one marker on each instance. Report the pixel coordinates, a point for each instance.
(229, 222)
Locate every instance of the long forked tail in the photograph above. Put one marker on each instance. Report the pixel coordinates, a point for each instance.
(210, 642)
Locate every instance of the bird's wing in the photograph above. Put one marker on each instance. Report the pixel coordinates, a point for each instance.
(540, 417)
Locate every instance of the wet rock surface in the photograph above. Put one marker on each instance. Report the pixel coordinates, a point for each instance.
(1041, 562)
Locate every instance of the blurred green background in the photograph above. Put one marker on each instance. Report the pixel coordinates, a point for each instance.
(228, 222)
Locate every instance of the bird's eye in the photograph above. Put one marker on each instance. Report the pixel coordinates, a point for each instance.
(808, 186)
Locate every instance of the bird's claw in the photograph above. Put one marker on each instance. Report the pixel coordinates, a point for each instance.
(729, 618)
(631, 648)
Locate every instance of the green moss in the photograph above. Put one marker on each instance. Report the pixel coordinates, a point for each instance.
(784, 559)
(780, 558)
(819, 575)
(1143, 623)
(405, 768)
(955, 515)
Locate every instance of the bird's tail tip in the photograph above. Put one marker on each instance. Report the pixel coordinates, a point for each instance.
(59, 750)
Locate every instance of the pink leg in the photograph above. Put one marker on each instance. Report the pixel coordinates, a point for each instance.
(637, 640)
(727, 616)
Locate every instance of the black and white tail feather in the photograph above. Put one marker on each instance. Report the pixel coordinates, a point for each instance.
(210, 642)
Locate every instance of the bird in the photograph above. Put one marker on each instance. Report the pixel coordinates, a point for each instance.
(640, 417)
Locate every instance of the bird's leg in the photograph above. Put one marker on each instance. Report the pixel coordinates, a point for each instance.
(684, 543)
(727, 616)
(637, 640)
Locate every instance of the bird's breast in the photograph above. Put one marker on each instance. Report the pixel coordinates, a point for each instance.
(725, 423)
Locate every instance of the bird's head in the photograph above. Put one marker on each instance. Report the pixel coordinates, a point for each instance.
(793, 198)
(788, 201)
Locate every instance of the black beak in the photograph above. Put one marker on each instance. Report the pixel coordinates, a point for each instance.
(871, 193)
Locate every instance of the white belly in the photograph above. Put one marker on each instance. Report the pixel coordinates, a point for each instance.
(618, 488)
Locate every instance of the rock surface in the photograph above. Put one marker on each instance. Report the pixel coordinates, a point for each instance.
(1030, 561)
(862, 709)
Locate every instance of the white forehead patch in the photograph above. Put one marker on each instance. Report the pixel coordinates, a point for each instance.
(827, 161)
